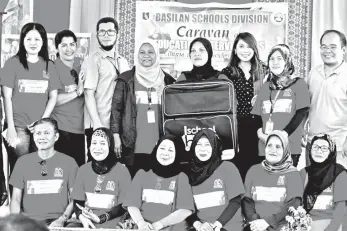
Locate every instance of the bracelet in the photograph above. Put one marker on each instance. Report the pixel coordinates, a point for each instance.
(77, 93)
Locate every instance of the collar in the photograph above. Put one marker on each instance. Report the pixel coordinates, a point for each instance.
(341, 68)
(104, 54)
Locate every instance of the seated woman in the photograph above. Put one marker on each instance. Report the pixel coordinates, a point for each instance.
(100, 185)
(200, 53)
(325, 193)
(272, 186)
(217, 186)
(161, 198)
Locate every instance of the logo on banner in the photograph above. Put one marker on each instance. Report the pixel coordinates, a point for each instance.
(172, 185)
(277, 18)
(145, 15)
(58, 172)
(189, 133)
(218, 183)
(110, 186)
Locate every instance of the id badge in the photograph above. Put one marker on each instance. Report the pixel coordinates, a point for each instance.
(150, 116)
(269, 127)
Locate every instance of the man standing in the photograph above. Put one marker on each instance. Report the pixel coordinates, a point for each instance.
(101, 70)
(43, 180)
(328, 90)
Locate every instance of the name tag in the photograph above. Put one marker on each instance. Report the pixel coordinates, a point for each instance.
(102, 201)
(208, 200)
(281, 105)
(324, 202)
(45, 186)
(32, 86)
(271, 194)
(158, 196)
(142, 97)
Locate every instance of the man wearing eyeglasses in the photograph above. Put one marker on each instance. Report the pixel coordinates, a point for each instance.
(43, 180)
(101, 71)
(328, 90)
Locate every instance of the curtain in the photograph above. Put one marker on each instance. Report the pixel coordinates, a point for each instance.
(326, 15)
(84, 14)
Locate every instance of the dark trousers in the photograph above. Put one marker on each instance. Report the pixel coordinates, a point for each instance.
(88, 132)
(295, 158)
(73, 145)
(141, 161)
(26, 145)
(248, 154)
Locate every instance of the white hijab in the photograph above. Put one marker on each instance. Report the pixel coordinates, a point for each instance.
(153, 76)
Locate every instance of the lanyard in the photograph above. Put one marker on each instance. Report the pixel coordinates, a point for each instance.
(149, 95)
(274, 102)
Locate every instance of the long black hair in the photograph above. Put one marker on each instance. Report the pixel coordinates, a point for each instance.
(43, 53)
(255, 61)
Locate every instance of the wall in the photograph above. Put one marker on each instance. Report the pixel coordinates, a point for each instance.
(220, 1)
(54, 15)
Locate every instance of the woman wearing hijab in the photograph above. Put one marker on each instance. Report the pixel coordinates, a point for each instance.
(283, 101)
(136, 107)
(217, 186)
(100, 185)
(272, 186)
(200, 53)
(325, 193)
(161, 198)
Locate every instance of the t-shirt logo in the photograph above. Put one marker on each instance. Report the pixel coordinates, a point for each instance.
(281, 180)
(287, 93)
(45, 74)
(58, 172)
(172, 185)
(218, 183)
(110, 186)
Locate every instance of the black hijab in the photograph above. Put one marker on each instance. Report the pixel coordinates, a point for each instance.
(320, 175)
(206, 71)
(104, 166)
(173, 169)
(202, 170)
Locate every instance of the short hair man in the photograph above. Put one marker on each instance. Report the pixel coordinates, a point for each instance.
(101, 70)
(43, 180)
(328, 90)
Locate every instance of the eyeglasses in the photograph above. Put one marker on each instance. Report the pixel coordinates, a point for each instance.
(99, 181)
(74, 74)
(108, 32)
(325, 48)
(322, 148)
(43, 167)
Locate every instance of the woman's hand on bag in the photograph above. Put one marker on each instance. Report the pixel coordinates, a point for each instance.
(261, 135)
(91, 216)
(143, 225)
(88, 224)
(12, 137)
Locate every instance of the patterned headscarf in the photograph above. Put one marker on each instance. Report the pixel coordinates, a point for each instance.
(286, 163)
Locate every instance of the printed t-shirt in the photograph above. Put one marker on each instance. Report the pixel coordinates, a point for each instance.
(324, 206)
(212, 196)
(147, 124)
(158, 197)
(112, 187)
(44, 197)
(100, 72)
(271, 191)
(289, 100)
(69, 115)
(31, 88)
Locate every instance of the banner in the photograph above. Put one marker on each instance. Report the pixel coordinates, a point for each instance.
(174, 25)
(10, 46)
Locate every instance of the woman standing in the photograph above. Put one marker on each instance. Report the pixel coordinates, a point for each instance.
(272, 186)
(247, 72)
(68, 111)
(200, 53)
(216, 184)
(325, 193)
(100, 185)
(29, 84)
(282, 102)
(161, 198)
(136, 107)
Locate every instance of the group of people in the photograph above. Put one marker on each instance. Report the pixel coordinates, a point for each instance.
(134, 177)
